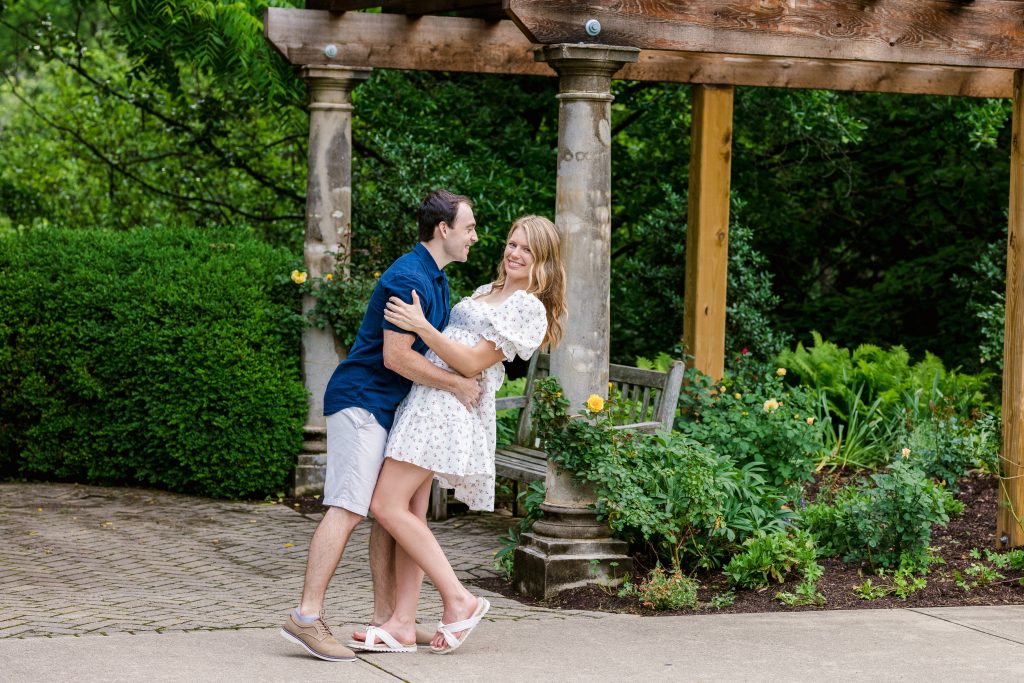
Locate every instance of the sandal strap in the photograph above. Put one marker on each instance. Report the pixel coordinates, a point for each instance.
(374, 632)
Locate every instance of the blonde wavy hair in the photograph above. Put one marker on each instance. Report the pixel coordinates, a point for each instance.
(547, 275)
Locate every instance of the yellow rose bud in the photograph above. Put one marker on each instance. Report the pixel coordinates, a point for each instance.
(376, 273)
(781, 372)
(810, 420)
(737, 396)
(595, 403)
(329, 277)
(721, 389)
(298, 277)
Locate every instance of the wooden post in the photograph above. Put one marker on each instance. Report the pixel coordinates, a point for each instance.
(1009, 530)
(707, 232)
(328, 232)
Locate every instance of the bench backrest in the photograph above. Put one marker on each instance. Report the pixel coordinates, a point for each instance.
(648, 398)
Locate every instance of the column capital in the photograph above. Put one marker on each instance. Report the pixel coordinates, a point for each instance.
(586, 59)
(331, 86)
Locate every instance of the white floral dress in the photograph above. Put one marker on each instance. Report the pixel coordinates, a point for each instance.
(434, 431)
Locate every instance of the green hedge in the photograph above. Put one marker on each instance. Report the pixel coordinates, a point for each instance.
(167, 358)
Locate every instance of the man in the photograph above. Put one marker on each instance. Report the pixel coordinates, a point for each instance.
(360, 403)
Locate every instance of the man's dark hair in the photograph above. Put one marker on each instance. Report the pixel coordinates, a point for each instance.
(439, 205)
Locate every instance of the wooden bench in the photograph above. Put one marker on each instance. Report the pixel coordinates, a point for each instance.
(649, 399)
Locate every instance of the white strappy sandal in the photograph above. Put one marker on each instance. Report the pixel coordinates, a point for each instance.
(389, 642)
(465, 627)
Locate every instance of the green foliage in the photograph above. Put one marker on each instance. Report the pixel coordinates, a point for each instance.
(872, 402)
(907, 579)
(753, 417)
(172, 40)
(806, 593)
(85, 143)
(666, 492)
(985, 572)
(945, 448)
(985, 289)
(664, 590)
(339, 299)
(771, 556)
(870, 373)
(882, 518)
(531, 497)
(166, 358)
(648, 272)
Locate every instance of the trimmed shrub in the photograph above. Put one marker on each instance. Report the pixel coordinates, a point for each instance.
(167, 358)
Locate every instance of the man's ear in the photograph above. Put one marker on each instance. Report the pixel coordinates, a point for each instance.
(442, 229)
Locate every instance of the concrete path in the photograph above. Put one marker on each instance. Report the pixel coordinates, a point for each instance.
(124, 585)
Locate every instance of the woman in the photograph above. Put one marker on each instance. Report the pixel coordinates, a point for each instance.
(436, 436)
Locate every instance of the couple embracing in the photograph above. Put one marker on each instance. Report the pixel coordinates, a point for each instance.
(414, 401)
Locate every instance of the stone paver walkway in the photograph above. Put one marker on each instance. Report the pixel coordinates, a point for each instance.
(82, 560)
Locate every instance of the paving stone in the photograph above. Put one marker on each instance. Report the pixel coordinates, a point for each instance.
(121, 560)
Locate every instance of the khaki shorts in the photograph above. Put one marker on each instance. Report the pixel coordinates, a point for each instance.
(355, 453)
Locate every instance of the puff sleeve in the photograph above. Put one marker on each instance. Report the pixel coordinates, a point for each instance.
(517, 327)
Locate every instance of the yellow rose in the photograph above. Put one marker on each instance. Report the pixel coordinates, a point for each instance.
(376, 273)
(770, 405)
(737, 396)
(595, 403)
(781, 372)
(298, 277)
(721, 389)
(905, 452)
(329, 277)
(810, 420)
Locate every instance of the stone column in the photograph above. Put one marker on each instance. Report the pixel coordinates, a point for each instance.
(328, 232)
(568, 546)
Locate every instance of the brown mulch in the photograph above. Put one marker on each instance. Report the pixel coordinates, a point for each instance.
(974, 529)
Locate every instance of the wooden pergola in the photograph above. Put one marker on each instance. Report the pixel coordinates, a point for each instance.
(972, 48)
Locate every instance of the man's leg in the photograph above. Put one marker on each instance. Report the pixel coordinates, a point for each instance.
(325, 552)
(355, 450)
(382, 570)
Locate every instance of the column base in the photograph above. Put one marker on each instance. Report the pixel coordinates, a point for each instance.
(544, 566)
(311, 465)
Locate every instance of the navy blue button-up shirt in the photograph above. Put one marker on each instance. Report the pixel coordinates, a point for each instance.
(361, 380)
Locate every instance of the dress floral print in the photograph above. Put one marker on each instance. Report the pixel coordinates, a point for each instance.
(434, 431)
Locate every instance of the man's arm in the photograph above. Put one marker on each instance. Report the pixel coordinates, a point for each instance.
(400, 357)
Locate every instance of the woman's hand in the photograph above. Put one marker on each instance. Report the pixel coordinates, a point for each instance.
(408, 317)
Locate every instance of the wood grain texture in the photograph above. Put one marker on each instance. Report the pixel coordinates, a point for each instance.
(947, 32)
(392, 41)
(1011, 508)
(707, 229)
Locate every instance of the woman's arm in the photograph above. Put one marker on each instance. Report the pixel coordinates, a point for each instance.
(466, 360)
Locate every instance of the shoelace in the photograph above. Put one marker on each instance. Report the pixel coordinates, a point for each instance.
(322, 629)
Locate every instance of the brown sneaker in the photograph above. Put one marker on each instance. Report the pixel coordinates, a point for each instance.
(317, 639)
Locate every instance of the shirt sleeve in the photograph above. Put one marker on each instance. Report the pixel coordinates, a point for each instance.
(401, 285)
(518, 327)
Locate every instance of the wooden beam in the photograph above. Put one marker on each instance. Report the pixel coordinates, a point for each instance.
(1011, 499)
(945, 32)
(707, 228)
(410, 7)
(389, 41)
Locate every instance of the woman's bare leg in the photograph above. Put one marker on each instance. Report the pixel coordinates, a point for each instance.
(409, 578)
(397, 485)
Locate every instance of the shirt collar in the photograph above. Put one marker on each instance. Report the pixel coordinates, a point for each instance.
(428, 262)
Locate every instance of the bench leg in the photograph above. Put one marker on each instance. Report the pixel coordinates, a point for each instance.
(515, 498)
(438, 502)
